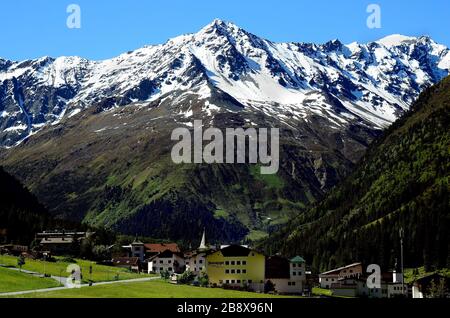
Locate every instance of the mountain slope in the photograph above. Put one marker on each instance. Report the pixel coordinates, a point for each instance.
(91, 139)
(402, 182)
(20, 212)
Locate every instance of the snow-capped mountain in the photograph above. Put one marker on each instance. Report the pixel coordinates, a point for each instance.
(371, 83)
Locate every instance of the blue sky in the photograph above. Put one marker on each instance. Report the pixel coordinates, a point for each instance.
(31, 29)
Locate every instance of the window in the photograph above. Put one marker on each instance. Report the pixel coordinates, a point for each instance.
(294, 273)
(238, 271)
(232, 262)
(238, 281)
(244, 262)
(200, 261)
(250, 281)
(238, 263)
(233, 271)
(227, 271)
(294, 265)
(244, 271)
(161, 261)
(169, 261)
(227, 281)
(195, 262)
(169, 269)
(232, 281)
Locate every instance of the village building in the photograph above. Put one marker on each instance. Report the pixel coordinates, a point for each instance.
(153, 249)
(196, 260)
(13, 249)
(130, 263)
(236, 266)
(326, 279)
(61, 242)
(136, 249)
(421, 287)
(356, 286)
(167, 261)
(287, 276)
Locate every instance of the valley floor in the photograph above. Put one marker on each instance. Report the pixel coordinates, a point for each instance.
(148, 289)
(109, 282)
(14, 280)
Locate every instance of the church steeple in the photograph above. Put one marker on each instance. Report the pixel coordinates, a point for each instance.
(203, 242)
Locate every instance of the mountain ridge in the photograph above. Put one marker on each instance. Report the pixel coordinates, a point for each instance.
(255, 71)
(95, 144)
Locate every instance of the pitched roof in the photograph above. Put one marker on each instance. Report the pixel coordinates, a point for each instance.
(277, 267)
(165, 254)
(298, 260)
(235, 251)
(126, 261)
(161, 247)
(337, 270)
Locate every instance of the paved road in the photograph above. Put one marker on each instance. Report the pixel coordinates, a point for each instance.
(45, 290)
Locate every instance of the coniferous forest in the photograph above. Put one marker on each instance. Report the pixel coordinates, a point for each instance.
(20, 212)
(401, 183)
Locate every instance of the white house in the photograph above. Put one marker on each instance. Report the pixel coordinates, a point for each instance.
(327, 279)
(136, 249)
(167, 261)
(196, 262)
(287, 276)
(357, 287)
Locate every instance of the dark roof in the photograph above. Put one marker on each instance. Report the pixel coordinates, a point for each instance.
(159, 248)
(431, 277)
(277, 267)
(235, 251)
(166, 254)
(132, 261)
(298, 260)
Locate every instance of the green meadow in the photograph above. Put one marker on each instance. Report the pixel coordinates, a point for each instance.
(11, 281)
(150, 289)
(100, 273)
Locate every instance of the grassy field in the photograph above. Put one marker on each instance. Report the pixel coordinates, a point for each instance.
(100, 273)
(322, 292)
(11, 281)
(151, 289)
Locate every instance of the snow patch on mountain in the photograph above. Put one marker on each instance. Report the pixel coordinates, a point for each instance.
(373, 83)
